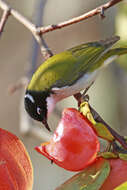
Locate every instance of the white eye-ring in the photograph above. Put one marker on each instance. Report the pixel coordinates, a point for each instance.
(38, 110)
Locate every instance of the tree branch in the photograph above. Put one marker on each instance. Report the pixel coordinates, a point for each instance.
(29, 25)
(99, 10)
(39, 31)
(4, 19)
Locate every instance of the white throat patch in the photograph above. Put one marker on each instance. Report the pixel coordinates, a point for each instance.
(51, 102)
(30, 98)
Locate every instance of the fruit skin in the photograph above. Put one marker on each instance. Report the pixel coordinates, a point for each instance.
(16, 172)
(74, 144)
(117, 176)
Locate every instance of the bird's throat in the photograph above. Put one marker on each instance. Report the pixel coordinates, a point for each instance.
(51, 102)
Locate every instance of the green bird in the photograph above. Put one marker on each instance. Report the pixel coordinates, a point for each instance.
(66, 74)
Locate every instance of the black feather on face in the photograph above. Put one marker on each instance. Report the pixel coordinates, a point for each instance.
(36, 105)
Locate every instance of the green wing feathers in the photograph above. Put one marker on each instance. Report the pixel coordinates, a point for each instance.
(89, 54)
(67, 67)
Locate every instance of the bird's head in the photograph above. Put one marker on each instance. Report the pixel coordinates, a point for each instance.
(36, 106)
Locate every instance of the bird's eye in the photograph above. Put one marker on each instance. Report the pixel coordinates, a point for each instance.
(38, 110)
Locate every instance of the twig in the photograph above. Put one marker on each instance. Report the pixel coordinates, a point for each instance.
(4, 19)
(99, 10)
(38, 31)
(46, 52)
(29, 25)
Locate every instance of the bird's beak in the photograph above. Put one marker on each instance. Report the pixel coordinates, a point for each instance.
(46, 124)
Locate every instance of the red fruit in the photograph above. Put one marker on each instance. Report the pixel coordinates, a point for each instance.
(74, 144)
(117, 176)
(16, 171)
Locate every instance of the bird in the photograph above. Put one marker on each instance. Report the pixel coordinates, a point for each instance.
(66, 74)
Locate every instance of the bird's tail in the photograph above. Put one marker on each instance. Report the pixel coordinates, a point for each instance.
(109, 41)
(112, 54)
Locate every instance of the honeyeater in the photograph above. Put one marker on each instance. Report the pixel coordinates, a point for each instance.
(66, 74)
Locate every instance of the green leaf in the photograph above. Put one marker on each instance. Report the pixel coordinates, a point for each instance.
(108, 155)
(103, 132)
(123, 156)
(91, 178)
(122, 187)
(100, 129)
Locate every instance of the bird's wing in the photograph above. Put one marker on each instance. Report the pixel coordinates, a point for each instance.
(85, 60)
(65, 68)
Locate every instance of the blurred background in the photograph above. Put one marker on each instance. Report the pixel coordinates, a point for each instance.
(17, 47)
